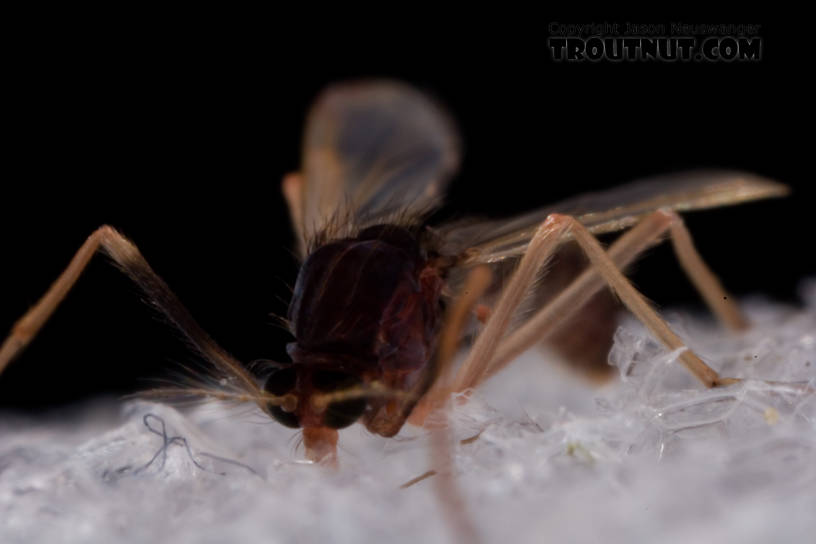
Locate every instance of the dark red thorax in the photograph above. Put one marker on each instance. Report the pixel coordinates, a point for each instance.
(370, 306)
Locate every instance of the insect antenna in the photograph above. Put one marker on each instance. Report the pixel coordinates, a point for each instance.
(191, 386)
(371, 390)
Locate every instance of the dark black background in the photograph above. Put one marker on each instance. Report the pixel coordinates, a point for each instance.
(177, 131)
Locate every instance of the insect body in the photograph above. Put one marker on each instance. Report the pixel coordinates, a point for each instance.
(382, 298)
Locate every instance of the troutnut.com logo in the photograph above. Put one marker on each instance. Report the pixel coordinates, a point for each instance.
(593, 42)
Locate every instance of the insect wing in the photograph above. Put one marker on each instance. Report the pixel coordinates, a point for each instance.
(608, 211)
(374, 152)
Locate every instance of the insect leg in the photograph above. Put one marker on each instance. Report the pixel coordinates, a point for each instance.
(638, 305)
(703, 278)
(450, 497)
(292, 188)
(643, 235)
(128, 258)
(548, 319)
(541, 247)
(605, 265)
(476, 284)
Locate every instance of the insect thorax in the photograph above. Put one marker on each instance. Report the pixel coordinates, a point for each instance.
(368, 303)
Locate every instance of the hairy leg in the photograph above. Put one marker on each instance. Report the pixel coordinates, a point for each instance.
(604, 269)
(128, 258)
(703, 278)
(541, 247)
(625, 250)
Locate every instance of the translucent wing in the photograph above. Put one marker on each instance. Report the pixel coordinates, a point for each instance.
(608, 211)
(373, 152)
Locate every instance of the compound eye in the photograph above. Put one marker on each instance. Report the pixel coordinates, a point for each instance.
(279, 383)
(333, 380)
(343, 413)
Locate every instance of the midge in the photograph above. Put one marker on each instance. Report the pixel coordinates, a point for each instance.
(383, 299)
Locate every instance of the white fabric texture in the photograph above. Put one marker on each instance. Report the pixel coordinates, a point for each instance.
(650, 457)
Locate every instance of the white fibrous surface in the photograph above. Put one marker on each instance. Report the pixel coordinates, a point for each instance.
(649, 457)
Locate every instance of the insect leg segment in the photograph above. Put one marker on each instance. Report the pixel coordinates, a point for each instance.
(541, 247)
(703, 278)
(604, 269)
(128, 258)
(559, 310)
(292, 188)
(476, 284)
(625, 250)
(636, 303)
